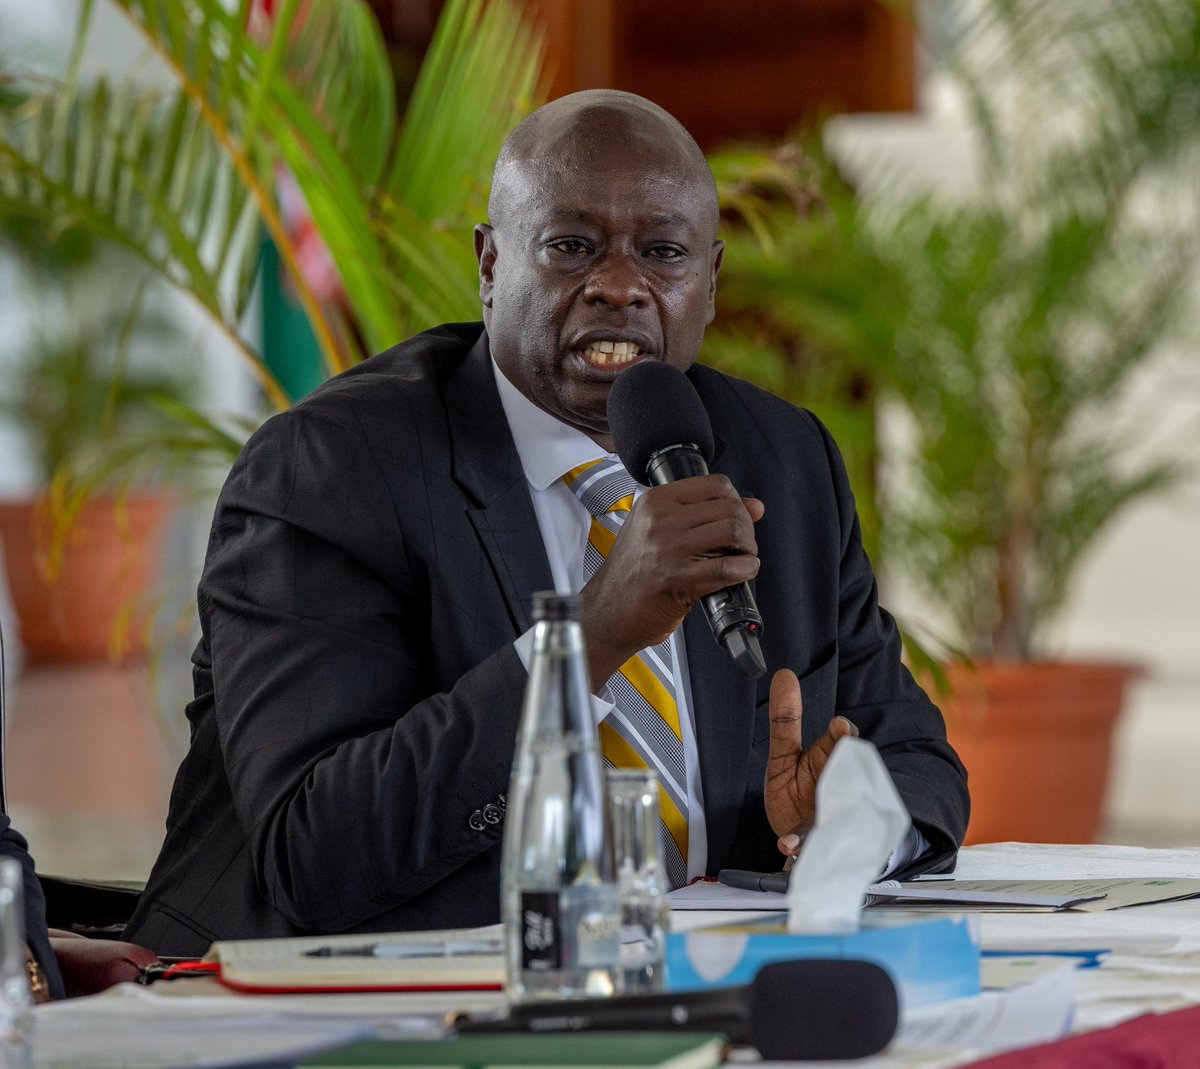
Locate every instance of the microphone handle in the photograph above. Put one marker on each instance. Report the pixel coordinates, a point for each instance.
(719, 1010)
(731, 612)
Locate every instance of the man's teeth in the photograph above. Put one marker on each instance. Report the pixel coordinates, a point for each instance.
(611, 352)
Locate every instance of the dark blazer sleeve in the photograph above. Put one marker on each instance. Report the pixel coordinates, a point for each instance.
(13, 845)
(878, 694)
(357, 730)
(357, 690)
(822, 619)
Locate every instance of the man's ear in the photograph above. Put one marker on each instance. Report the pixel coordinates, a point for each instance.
(485, 253)
(717, 260)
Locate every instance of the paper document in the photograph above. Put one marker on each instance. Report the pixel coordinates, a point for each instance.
(452, 960)
(973, 894)
(984, 895)
(999, 974)
(197, 1024)
(708, 894)
(921, 895)
(1104, 894)
(214, 1043)
(1020, 1016)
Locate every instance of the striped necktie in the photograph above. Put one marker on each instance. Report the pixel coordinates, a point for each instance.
(643, 731)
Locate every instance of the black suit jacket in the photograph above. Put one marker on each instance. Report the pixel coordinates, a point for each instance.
(372, 559)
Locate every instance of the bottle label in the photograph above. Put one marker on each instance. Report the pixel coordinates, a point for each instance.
(599, 936)
(541, 940)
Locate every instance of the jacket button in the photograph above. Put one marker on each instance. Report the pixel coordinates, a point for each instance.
(492, 814)
(502, 802)
(476, 820)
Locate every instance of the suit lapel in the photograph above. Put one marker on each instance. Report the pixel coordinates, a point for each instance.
(486, 465)
(723, 704)
(722, 710)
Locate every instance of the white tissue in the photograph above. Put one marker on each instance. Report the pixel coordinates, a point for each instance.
(860, 820)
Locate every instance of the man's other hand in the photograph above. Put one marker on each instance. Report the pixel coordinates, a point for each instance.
(790, 788)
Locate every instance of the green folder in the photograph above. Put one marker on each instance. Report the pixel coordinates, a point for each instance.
(545, 1050)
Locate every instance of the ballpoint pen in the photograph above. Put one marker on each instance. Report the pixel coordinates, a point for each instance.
(446, 949)
(1085, 959)
(753, 881)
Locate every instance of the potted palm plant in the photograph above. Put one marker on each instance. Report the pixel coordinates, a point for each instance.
(1004, 329)
(185, 174)
(185, 171)
(1031, 309)
(83, 376)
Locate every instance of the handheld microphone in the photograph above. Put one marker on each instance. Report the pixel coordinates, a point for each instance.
(662, 434)
(807, 1010)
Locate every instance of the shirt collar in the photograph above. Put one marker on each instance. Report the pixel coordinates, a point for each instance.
(548, 448)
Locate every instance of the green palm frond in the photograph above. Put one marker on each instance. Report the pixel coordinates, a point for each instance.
(479, 77)
(187, 178)
(137, 168)
(1004, 328)
(337, 61)
(242, 94)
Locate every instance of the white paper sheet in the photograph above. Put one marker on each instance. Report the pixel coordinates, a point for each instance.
(1020, 1016)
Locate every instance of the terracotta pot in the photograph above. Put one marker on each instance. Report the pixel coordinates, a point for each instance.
(1036, 739)
(96, 607)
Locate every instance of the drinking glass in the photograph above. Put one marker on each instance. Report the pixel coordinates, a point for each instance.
(16, 1002)
(633, 801)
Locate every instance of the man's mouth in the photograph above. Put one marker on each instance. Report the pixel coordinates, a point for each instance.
(611, 353)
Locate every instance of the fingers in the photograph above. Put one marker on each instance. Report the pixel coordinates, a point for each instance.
(699, 532)
(755, 507)
(787, 723)
(789, 846)
(790, 783)
(707, 506)
(839, 727)
(787, 713)
(681, 541)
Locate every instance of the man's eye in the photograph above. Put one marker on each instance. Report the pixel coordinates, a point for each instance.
(570, 246)
(669, 253)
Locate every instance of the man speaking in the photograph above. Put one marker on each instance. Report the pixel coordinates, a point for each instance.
(365, 603)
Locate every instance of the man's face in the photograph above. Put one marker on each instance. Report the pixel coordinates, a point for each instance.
(594, 266)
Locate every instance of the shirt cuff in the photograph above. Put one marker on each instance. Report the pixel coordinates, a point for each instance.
(602, 703)
(912, 847)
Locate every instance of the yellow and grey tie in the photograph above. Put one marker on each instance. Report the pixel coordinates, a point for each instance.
(643, 731)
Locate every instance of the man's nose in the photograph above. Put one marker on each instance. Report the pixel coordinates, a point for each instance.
(617, 281)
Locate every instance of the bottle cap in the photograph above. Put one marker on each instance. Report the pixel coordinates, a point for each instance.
(547, 605)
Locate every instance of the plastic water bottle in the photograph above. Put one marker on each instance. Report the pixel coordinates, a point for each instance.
(561, 902)
(16, 1002)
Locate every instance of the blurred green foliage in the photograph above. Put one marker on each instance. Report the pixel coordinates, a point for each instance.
(1007, 324)
(181, 172)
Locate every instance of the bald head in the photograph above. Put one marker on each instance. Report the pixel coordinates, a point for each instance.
(582, 131)
(601, 252)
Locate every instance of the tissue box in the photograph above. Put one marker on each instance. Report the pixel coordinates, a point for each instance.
(930, 956)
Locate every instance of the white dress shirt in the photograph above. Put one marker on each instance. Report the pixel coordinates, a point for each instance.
(548, 449)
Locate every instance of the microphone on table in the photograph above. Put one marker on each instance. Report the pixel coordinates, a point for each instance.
(808, 1010)
(662, 434)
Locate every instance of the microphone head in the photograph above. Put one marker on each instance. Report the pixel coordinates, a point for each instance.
(822, 1009)
(652, 406)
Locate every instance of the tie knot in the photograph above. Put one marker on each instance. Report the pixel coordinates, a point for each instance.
(603, 486)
